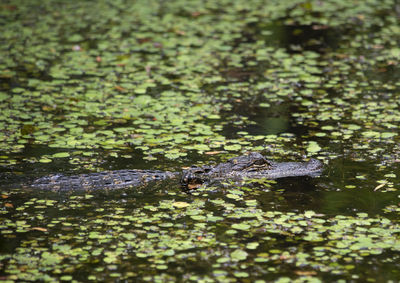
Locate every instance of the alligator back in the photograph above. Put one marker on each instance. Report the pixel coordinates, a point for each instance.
(102, 180)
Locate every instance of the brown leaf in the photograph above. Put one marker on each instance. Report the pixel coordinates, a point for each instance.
(119, 88)
(196, 14)
(180, 32)
(212, 152)
(193, 186)
(47, 108)
(39, 229)
(379, 186)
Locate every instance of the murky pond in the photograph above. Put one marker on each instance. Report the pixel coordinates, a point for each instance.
(164, 85)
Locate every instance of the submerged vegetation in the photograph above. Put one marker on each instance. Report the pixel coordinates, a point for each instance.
(88, 86)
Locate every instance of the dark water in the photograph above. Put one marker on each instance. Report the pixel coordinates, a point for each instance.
(328, 194)
(98, 223)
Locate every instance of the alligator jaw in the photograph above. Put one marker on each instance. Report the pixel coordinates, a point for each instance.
(312, 168)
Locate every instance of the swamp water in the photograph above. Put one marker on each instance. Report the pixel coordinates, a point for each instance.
(168, 84)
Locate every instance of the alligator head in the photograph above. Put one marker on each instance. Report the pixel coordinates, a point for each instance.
(251, 165)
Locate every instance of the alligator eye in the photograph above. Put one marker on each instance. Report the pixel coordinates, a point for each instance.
(260, 161)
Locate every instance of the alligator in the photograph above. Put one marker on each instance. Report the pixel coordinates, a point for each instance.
(252, 165)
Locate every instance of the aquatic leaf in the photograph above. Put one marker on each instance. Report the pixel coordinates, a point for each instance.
(238, 255)
(252, 245)
(198, 217)
(313, 147)
(180, 204)
(241, 274)
(234, 147)
(3, 96)
(309, 213)
(50, 258)
(61, 155)
(241, 226)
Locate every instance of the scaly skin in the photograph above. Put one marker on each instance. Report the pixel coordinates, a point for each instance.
(102, 180)
(252, 165)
